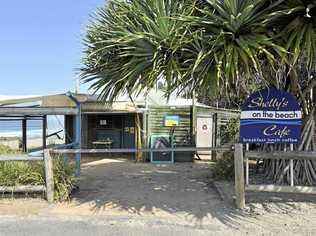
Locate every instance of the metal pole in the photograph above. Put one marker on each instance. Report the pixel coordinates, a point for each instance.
(78, 140)
(77, 133)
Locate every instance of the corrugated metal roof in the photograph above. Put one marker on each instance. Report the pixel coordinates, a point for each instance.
(8, 97)
(91, 103)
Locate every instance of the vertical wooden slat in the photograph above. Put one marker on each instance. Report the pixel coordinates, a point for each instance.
(239, 177)
(292, 167)
(49, 175)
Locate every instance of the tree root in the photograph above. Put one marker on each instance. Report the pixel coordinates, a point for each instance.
(304, 170)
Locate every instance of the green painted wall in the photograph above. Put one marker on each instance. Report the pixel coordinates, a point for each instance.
(156, 123)
(183, 132)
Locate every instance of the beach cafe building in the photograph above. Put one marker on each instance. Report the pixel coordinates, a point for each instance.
(93, 124)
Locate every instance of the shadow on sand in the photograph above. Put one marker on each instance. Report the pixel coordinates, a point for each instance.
(279, 202)
(182, 190)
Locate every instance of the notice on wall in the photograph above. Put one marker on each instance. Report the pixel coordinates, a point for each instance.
(132, 130)
(171, 120)
(103, 122)
(270, 116)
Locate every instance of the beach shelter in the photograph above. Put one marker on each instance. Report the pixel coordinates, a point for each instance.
(125, 123)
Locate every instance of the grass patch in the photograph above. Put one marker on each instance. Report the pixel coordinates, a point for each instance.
(64, 180)
(32, 173)
(6, 150)
(21, 173)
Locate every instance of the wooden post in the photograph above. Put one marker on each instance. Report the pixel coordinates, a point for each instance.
(138, 135)
(49, 175)
(239, 176)
(24, 135)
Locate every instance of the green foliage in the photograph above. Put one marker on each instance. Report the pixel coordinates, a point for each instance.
(235, 39)
(6, 150)
(214, 46)
(64, 180)
(229, 133)
(224, 167)
(21, 173)
(131, 44)
(32, 173)
(295, 21)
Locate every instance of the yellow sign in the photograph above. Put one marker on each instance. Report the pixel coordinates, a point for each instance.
(132, 130)
(171, 121)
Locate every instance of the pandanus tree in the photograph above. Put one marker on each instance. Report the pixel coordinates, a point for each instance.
(265, 43)
(294, 22)
(131, 44)
(237, 47)
(222, 47)
(195, 44)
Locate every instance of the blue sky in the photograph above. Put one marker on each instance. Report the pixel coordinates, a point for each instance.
(41, 44)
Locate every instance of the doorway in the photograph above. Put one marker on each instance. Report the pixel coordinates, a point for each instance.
(204, 137)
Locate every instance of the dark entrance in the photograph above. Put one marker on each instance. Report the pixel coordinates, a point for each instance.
(111, 131)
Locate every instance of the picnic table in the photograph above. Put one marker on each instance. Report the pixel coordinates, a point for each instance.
(108, 143)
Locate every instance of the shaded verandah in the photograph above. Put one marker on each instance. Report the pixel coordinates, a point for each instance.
(25, 114)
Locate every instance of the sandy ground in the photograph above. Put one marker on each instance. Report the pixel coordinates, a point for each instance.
(182, 194)
(120, 187)
(32, 142)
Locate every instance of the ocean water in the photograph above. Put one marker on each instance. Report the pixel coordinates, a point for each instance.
(34, 127)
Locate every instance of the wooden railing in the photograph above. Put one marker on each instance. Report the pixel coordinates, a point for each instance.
(46, 156)
(135, 150)
(48, 188)
(242, 182)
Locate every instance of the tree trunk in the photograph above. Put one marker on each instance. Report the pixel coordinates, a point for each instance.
(304, 171)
